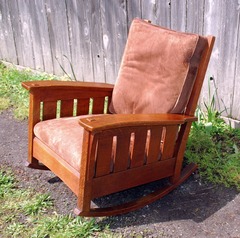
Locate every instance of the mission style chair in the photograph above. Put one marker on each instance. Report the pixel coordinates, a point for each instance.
(139, 137)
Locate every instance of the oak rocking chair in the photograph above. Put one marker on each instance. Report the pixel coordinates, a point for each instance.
(139, 137)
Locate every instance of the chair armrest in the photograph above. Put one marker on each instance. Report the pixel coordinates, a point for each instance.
(105, 122)
(34, 86)
(51, 90)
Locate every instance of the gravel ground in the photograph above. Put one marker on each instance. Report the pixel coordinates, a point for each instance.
(195, 209)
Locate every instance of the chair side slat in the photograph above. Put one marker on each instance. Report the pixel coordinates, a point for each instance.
(169, 141)
(122, 152)
(154, 149)
(139, 147)
(104, 156)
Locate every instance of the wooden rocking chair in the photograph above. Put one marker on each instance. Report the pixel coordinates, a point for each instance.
(139, 137)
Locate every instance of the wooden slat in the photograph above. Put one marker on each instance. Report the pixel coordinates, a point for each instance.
(66, 108)
(154, 150)
(114, 35)
(169, 142)
(122, 152)
(42, 33)
(98, 105)
(104, 156)
(178, 15)
(82, 106)
(49, 110)
(139, 148)
(58, 35)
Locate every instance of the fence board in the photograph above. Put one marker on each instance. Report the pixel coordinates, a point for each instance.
(222, 70)
(114, 25)
(178, 15)
(59, 36)
(16, 26)
(97, 56)
(194, 14)
(7, 44)
(26, 33)
(43, 34)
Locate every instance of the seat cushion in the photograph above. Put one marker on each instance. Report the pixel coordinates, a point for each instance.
(64, 136)
(158, 70)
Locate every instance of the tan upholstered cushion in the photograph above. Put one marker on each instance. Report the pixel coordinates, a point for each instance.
(64, 136)
(158, 70)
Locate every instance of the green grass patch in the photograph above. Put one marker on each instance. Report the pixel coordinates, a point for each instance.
(11, 92)
(25, 213)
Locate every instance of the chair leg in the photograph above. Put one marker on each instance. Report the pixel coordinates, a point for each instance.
(139, 203)
(34, 164)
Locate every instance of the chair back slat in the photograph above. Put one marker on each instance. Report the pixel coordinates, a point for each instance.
(66, 108)
(98, 105)
(49, 110)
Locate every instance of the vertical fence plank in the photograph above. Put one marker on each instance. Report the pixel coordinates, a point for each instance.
(42, 35)
(134, 9)
(114, 24)
(195, 20)
(80, 39)
(157, 11)
(178, 15)
(26, 33)
(16, 25)
(224, 56)
(58, 33)
(36, 37)
(235, 108)
(97, 56)
(7, 44)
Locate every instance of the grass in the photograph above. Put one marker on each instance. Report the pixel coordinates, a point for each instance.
(11, 92)
(214, 146)
(25, 213)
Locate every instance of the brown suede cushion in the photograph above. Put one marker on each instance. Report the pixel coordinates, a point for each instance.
(64, 136)
(158, 70)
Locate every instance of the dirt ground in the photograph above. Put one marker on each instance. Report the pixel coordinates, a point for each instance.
(195, 209)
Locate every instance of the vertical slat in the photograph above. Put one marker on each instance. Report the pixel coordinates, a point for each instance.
(154, 151)
(98, 105)
(104, 156)
(169, 142)
(139, 148)
(66, 108)
(49, 110)
(114, 26)
(178, 15)
(122, 152)
(82, 106)
(58, 34)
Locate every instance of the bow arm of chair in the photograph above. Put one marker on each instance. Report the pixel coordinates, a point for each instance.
(112, 121)
(57, 85)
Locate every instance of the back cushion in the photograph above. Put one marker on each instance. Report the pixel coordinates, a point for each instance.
(158, 70)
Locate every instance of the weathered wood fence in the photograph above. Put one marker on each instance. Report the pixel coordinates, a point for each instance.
(91, 34)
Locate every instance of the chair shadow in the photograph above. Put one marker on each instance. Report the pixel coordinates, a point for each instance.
(190, 201)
